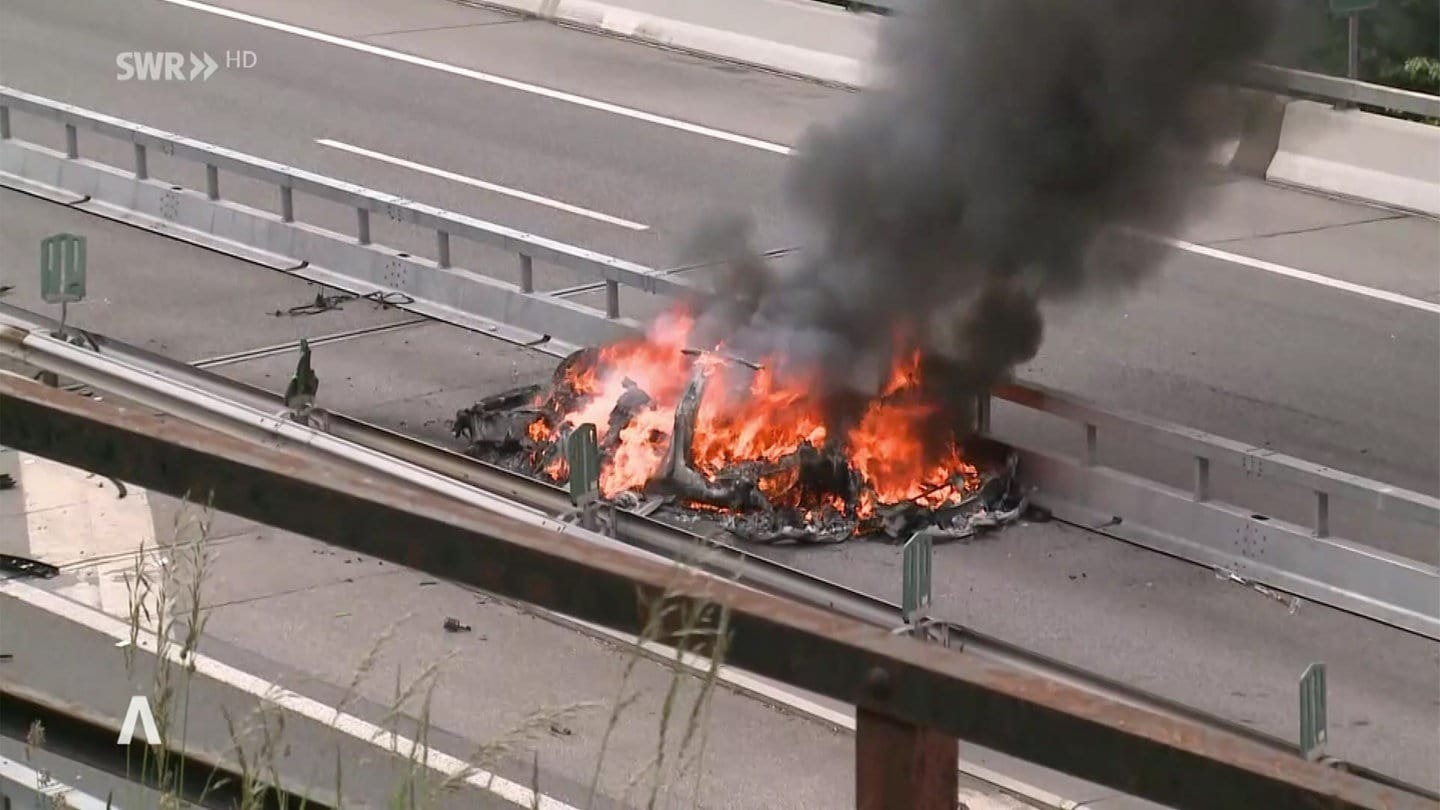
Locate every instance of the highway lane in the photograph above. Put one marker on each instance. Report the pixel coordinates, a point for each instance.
(1315, 371)
(1065, 593)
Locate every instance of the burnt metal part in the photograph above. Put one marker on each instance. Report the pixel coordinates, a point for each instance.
(630, 403)
(81, 735)
(1173, 761)
(678, 477)
(497, 431)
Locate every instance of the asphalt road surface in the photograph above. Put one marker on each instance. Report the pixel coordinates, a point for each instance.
(1219, 344)
(1163, 625)
(1215, 343)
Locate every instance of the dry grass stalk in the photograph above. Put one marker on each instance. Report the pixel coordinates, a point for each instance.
(166, 595)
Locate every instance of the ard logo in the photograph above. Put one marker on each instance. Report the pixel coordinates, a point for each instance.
(139, 711)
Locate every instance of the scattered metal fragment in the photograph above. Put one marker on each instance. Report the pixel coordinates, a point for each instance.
(455, 626)
(329, 303)
(322, 303)
(27, 567)
(1291, 603)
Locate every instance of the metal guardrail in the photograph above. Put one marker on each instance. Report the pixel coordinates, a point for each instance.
(287, 180)
(1338, 90)
(175, 388)
(1335, 572)
(913, 699)
(81, 735)
(1207, 448)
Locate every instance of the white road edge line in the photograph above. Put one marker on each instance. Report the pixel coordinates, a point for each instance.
(525, 87)
(348, 724)
(745, 682)
(481, 184)
(1302, 275)
(67, 796)
(743, 140)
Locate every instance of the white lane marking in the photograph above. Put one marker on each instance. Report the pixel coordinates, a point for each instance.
(1302, 275)
(471, 181)
(321, 713)
(72, 516)
(61, 794)
(731, 137)
(524, 87)
(745, 682)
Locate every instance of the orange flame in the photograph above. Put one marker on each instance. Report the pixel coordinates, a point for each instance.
(765, 421)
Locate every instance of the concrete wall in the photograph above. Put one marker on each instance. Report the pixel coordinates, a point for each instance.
(1359, 154)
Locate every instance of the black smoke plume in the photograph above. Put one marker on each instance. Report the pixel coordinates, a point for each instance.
(993, 164)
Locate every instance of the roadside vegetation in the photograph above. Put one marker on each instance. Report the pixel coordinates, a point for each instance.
(1399, 43)
(167, 621)
(1399, 40)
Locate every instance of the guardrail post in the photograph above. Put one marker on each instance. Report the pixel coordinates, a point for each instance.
(287, 204)
(142, 163)
(898, 765)
(212, 181)
(442, 248)
(1091, 440)
(4, 123)
(72, 142)
(612, 299)
(527, 274)
(1322, 514)
(362, 226)
(1202, 479)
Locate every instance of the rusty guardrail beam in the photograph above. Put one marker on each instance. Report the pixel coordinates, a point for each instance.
(918, 688)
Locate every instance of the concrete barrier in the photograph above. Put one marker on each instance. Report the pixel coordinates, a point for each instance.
(1359, 154)
(798, 37)
(1302, 143)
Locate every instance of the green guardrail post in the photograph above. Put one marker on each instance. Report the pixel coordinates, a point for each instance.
(1314, 725)
(582, 451)
(62, 272)
(917, 558)
(583, 454)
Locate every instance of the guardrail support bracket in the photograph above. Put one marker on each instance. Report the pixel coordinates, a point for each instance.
(903, 767)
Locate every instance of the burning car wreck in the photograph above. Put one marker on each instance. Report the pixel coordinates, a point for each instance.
(707, 436)
(1005, 157)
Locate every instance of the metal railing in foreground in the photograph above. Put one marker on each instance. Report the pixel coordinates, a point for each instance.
(913, 699)
(1305, 560)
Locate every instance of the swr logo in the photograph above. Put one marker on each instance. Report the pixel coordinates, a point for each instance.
(163, 65)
